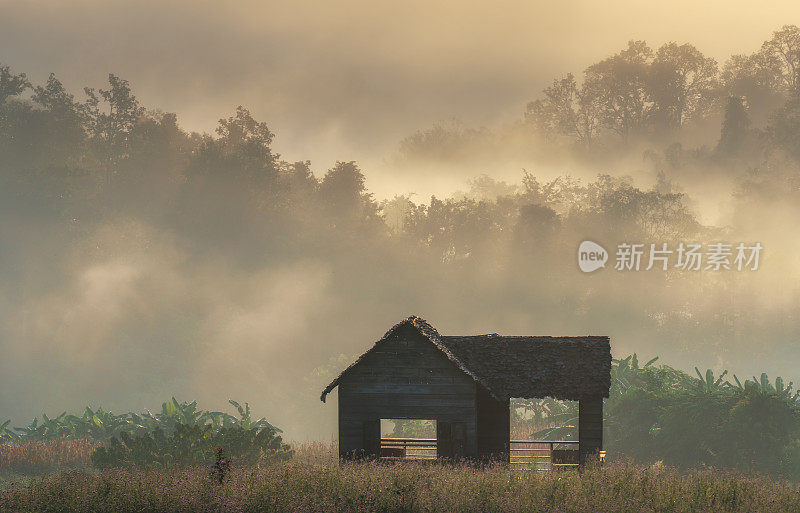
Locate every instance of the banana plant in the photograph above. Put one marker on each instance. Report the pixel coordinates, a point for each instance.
(708, 383)
(246, 423)
(626, 371)
(7, 434)
(100, 424)
(566, 421)
(559, 417)
(764, 386)
(48, 428)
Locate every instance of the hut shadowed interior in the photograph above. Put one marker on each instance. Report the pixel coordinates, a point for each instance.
(465, 384)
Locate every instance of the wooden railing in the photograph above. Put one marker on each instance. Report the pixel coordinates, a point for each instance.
(543, 454)
(409, 448)
(524, 454)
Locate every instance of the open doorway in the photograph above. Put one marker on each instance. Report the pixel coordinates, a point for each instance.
(410, 439)
(544, 433)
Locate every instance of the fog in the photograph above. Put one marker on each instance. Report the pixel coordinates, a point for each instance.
(145, 255)
(348, 80)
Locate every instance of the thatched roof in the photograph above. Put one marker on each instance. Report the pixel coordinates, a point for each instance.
(513, 366)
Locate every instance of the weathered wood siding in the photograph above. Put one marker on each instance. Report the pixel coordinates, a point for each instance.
(406, 377)
(590, 426)
(494, 426)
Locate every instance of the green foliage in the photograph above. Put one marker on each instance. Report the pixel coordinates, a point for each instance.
(546, 419)
(10, 84)
(763, 385)
(707, 383)
(103, 425)
(656, 413)
(735, 127)
(193, 444)
(6, 433)
(414, 428)
(180, 434)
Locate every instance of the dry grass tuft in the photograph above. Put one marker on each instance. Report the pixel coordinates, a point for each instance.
(41, 456)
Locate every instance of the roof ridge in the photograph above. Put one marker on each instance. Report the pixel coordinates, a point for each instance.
(565, 337)
(432, 334)
(453, 347)
(429, 332)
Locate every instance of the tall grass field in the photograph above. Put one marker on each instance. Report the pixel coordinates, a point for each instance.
(314, 481)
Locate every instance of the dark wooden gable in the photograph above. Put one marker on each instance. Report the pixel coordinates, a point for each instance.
(406, 376)
(408, 343)
(405, 363)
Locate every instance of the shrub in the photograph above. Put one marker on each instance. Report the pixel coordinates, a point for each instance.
(192, 445)
(660, 414)
(103, 425)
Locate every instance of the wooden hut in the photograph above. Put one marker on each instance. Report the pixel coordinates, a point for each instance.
(465, 384)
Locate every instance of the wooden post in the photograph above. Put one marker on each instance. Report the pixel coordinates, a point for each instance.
(372, 438)
(444, 439)
(590, 427)
(459, 433)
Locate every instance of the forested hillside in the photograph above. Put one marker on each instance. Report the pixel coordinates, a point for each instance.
(138, 259)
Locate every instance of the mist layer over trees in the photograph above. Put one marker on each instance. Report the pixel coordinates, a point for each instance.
(138, 260)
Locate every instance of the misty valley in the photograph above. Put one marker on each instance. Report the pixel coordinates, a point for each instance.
(612, 273)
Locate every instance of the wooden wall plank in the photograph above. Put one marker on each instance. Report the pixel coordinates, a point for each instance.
(407, 377)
